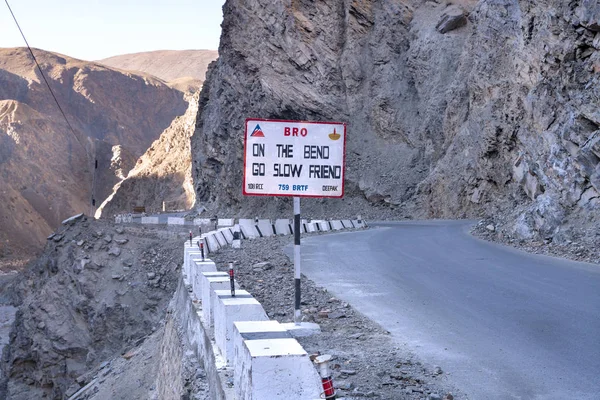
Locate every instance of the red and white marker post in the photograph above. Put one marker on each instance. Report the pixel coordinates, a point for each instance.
(231, 279)
(323, 366)
(201, 247)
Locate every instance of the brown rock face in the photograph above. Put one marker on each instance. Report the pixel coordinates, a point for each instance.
(496, 118)
(162, 174)
(45, 169)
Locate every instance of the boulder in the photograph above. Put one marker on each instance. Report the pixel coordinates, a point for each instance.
(589, 14)
(452, 18)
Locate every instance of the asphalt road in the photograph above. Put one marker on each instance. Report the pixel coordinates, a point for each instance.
(501, 323)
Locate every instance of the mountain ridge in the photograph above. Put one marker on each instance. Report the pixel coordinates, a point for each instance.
(45, 168)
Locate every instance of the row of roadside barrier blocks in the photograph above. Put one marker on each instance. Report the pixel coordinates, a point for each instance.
(267, 362)
(227, 231)
(252, 228)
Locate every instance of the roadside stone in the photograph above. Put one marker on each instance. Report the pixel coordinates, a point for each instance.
(71, 220)
(344, 385)
(336, 315)
(348, 372)
(77, 266)
(116, 276)
(490, 228)
(119, 230)
(57, 238)
(41, 325)
(437, 370)
(151, 275)
(452, 18)
(121, 241)
(80, 243)
(74, 388)
(589, 15)
(114, 251)
(258, 267)
(107, 238)
(449, 397)
(434, 396)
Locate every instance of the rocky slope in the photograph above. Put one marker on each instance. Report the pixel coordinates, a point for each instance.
(183, 69)
(162, 174)
(454, 108)
(45, 169)
(97, 291)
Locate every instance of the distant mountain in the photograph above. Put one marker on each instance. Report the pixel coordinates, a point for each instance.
(45, 169)
(168, 65)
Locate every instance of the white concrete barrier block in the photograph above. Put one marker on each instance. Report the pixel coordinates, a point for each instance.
(248, 228)
(212, 243)
(323, 226)
(358, 223)
(198, 266)
(265, 227)
(187, 249)
(251, 330)
(228, 234)
(190, 252)
(282, 227)
(277, 369)
(175, 221)
(225, 222)
(337, 225)
(149, 220)
(212, 281)
(202, 221)
(220, 236)
(311, 227)
(347, 224)
(228, 309)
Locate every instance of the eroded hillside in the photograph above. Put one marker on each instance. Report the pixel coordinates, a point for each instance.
(454, 109)
(162, 174)
(45, 168)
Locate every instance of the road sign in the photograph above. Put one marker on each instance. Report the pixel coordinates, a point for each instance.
(294, 158)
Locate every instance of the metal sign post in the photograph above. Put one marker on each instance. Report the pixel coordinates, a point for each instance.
(297, 266)
(296, 159)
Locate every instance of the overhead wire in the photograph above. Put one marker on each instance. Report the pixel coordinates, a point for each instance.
(58, 105)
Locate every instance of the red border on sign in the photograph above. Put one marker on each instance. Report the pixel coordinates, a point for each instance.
(294, 122)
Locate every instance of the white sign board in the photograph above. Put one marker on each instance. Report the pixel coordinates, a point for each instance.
(293, 158)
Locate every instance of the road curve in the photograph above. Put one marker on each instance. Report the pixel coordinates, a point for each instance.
(503, 324)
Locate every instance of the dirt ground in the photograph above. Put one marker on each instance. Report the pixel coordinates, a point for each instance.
(367, 362)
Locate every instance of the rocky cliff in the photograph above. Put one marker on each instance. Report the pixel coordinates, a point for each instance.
(46, 170)
(454, 109)
(162, 174)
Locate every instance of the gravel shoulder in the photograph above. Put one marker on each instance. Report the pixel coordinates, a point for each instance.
(367, 362)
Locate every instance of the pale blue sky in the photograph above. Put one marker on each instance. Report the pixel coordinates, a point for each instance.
(95, 29)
